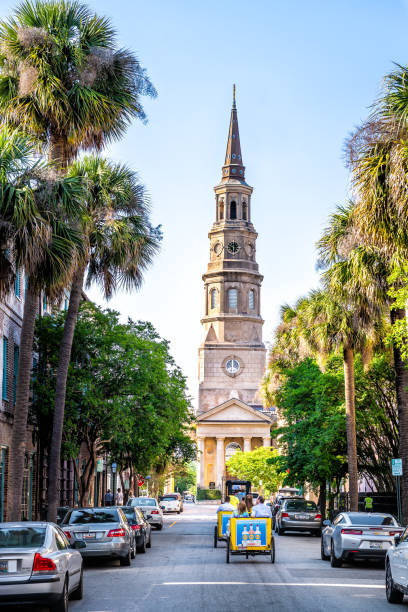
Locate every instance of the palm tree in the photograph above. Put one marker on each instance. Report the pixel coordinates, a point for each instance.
(119, 245)
(63, 79)
(33, 235)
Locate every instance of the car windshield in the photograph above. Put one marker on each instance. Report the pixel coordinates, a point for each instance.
(79, 517)
(143, 501)
(301, 504)
(128, 511)
(372, 519)
(169, 498)
(22, 537)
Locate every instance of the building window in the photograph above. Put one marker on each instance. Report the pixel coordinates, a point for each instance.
(244, 211)
(4, 385)
(17, 284)
(221, 209)
(251, 299)
(213, 300)
(3, 463)
(233, 210)
(27, 493)
(233, 298)
(15, 372)
(66, 304)
(44, 303)
(231, 449)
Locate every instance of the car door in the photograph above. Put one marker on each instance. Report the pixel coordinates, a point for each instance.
(328, 533)
(73, 559)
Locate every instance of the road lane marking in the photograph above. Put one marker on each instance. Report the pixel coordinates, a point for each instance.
(285, 584)
(172, 525)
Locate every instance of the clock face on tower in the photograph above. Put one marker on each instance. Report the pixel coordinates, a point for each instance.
(232, 366)
(233, 247)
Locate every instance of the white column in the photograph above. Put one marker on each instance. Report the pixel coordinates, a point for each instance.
(220, 461)
(201, 474)
(267, 441)
(247, 445)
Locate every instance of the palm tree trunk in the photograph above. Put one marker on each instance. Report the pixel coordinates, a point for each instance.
(57, 151)
(19, 435)
(401, 387)
(349, 393)
(60, 394)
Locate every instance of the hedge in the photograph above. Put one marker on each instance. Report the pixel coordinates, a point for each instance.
(203, 494)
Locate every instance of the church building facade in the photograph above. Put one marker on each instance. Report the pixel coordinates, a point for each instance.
(232, 356)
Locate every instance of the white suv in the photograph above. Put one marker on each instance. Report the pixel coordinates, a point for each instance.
(170, 503)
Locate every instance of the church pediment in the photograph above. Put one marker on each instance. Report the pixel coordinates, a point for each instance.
(233, 410)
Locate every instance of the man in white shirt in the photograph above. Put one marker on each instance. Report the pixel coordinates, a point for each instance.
(119, 498)
(261, 510)
(226, 506)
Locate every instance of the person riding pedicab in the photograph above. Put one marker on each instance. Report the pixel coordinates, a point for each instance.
(261, 510)
(241, 511)
(226, 506)
(234, 500)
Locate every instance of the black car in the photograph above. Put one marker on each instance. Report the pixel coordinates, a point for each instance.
(142, 529)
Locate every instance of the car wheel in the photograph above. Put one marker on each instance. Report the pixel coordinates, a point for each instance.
(126, 561)
(322, 553)
(79, 591)
(159, 527)
(334, 561)
(133, 552)
(62, 604)
(149, 543)
(272, 550)
(228, 551)
(215, 536)
(279, 530)
(393, 594)
(142, 548)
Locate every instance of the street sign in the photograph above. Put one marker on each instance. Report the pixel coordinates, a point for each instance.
(396, 467)
(140, 482)
(114, 466)
(99, 465)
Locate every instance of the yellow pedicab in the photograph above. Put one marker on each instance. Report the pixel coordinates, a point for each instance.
(220, 530)
(250, 537)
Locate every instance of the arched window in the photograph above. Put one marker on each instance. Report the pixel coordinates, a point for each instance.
(221, 209)
(244, 211)
(233, 210)
(231, 449)
(251, 299)
(233, 298)
(213, 300)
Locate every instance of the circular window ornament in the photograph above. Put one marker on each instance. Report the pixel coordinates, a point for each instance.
(233, 171)
(232, 366)
(233, 247)
(218, 248)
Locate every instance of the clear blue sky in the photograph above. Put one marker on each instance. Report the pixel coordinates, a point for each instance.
(306, 72)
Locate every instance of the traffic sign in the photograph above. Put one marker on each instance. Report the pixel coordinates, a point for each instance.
(99, 465)
(140, 482)
(114, 466)
(396, 467)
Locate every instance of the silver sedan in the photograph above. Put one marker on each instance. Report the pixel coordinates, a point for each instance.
(105, 531)
(38, 565)
(297, 514)
(355, 535)
(150, 508)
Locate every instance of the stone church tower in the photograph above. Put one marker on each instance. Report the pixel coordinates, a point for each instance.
(232, 355)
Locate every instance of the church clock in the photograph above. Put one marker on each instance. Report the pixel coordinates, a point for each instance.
(233, 247)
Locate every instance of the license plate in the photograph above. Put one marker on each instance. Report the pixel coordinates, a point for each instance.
(3, 567)
(7, 567)
(302, 517)
(89, 536)
(376, 544)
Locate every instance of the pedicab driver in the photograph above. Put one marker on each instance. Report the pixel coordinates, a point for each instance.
(226, 506)
(261, 510)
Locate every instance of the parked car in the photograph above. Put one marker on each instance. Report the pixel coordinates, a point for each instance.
(150, 508)
(170, 503)
(297, 514)
(104, 530)
(61, 512)
(396, 569)
(189, 498)
(277, 503)
(38, 566)
(176, 496)
(142, 529)
(354, 535)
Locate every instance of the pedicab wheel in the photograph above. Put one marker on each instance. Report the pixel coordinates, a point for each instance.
(228, 551)
(272, 550)
(215, 536)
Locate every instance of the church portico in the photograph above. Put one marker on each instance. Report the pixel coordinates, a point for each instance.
(230, 414)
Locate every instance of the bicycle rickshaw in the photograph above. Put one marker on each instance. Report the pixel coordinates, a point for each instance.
(220, 530)
(250, 537)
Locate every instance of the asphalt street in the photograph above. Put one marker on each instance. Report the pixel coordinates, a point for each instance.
(183, 572)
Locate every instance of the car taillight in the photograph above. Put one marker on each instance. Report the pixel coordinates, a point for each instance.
(42, 564)
(136, 527)
(318, 516)
(68, 534)
(155, 512)
(352, 531)
(394, 533)
(116, 533)
(285, 515)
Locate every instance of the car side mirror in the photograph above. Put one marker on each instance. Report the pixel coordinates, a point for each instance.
(397, 539)
(327, 522)
(78, 544)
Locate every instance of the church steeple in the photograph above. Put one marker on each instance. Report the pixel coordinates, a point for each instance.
(233, 169)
